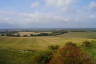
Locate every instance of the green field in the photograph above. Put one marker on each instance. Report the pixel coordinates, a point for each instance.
(42, 42)
(18, 50)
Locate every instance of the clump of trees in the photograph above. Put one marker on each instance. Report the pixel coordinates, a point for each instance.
(50, 34)
(2, 35)
(43, 34)
(16, 34)
(59, 32)
(25, 35)
(12, 33)
(40, 34)
(71, 54)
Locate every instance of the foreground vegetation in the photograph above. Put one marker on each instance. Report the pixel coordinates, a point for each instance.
(82, 53)
(41, 50)
(71, 54)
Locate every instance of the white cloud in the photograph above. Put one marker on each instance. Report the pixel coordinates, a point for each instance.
(62, 5)
(35, 4)
(92, 4)
(58, 3)
(45, 19)
(71, 17)
(92, 16)
(28, 19)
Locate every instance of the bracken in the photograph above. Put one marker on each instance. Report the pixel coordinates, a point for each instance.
(71, 54)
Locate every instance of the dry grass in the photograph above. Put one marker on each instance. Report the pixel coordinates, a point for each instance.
(42, 42)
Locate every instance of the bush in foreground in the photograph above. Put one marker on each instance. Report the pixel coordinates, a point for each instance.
(71, 54)
(87, 44)
(53, 47)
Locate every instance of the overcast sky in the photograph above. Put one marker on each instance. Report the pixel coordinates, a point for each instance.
(47, 13)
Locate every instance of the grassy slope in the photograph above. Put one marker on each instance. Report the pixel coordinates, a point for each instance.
(10, 56)
(42, 43)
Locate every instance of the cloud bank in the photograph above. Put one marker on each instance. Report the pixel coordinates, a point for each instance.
(51, 14)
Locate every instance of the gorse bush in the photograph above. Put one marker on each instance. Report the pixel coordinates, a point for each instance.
(53, 47)
(87, 44)
(71, 54)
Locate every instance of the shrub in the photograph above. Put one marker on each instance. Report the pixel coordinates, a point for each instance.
(87, 44)
(71, 54)
(70, 44)
(53, 48)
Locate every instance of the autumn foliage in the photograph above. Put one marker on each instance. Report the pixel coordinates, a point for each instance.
(71, 54)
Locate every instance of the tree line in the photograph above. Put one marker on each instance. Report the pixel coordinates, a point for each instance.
(16, 34)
